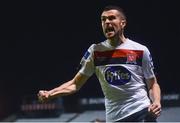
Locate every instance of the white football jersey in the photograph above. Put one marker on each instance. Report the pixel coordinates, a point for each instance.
(121, 71)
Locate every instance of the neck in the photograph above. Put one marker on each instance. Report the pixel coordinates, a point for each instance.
(116, 41)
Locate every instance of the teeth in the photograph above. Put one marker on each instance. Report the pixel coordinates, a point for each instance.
(109, 30)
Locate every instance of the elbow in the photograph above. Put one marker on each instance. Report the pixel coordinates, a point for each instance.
(156, 85)
(75, 88)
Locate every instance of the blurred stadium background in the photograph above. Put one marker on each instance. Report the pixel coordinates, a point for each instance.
(42, 43)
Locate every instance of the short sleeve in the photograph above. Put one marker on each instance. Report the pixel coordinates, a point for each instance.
(147, 64)
(87, 62)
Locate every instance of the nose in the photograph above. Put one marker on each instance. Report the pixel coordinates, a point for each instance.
(107, 21)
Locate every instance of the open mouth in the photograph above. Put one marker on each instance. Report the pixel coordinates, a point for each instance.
(109, 29)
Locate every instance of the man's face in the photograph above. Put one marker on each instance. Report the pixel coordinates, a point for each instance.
(112, 23)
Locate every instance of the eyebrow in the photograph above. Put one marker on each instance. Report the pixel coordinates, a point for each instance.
(109, 17)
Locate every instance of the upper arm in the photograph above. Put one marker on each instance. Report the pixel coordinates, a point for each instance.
(147, 65)
(87, 62)
(86, 70)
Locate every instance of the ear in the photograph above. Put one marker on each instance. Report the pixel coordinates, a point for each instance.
(123, 23)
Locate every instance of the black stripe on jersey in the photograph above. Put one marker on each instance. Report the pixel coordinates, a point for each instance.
(98, 61)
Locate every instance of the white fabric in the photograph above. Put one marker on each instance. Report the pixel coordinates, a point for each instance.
(122, 82)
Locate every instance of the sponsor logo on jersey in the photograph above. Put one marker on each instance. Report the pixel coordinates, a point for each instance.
(117, 75)
(131, 58)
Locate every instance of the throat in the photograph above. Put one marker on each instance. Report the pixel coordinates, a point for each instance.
(116, 42)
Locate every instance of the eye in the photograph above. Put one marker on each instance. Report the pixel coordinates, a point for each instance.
(103, 19)
(111, 18)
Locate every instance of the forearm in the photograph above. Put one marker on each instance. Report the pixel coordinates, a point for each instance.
(63, 90)
(69, 87)
(155, 93)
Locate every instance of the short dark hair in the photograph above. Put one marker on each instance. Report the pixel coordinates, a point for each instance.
(110, 7)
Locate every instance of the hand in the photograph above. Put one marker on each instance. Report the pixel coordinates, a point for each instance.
(155, 109)
(43, 95)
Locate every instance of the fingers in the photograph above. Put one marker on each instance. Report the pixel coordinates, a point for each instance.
(155, 109)
(42, 95)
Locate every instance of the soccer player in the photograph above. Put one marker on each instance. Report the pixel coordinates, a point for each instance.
(124, 69)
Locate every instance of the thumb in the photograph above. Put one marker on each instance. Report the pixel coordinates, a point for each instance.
(150, 107)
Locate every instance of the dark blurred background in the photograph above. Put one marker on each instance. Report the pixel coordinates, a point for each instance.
(42, 43)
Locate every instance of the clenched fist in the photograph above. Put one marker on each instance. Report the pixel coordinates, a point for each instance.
(155, 109)
(43, 95)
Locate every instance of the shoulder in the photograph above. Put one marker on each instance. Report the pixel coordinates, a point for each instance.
(136, 45)
(98, 47)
